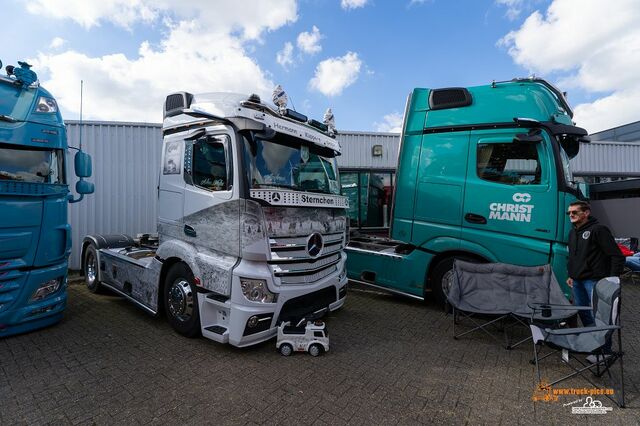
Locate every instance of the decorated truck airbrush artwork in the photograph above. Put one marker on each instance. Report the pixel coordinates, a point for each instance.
(251, 223)
(513, 212)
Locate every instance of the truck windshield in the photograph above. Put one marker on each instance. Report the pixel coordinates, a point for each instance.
(15, 102)
(287, 163)
(30, 165)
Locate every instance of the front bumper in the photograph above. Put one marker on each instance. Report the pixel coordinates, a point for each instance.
(18, 314)
(293, 301)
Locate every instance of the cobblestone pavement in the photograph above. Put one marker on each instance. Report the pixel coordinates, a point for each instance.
(392, 361)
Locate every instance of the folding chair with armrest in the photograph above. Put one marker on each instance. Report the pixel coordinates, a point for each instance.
(594, 340)
(491, 293)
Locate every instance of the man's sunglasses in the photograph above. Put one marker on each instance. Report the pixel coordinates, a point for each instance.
(574, 212)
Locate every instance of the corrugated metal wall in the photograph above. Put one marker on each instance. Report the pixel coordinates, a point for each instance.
(357, 150)
(607, 158)
(126, 162)
(627, 133)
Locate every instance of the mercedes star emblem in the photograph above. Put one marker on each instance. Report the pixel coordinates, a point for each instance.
(275, 197)
(315, 243)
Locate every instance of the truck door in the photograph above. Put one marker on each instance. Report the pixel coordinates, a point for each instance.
(510, 202)
(171, 185)
(210, 218)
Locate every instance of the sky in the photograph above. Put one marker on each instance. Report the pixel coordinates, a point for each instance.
(359, 57)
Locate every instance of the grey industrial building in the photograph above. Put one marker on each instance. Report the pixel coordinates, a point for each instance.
(126, 161)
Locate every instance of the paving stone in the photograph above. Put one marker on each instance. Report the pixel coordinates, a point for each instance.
(392, 361)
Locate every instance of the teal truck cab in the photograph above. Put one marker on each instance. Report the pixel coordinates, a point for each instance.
(483, 174)
(35, 237)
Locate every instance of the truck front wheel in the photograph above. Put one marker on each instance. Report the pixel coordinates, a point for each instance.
(440, 278)
(91, 269)
(181, 301)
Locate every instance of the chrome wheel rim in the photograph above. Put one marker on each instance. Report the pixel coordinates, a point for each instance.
(286, 350)
(91, 269)
(446, 282)
(180, 301)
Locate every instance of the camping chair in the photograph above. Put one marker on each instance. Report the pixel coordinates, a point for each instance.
(586, 340)
(492, 293)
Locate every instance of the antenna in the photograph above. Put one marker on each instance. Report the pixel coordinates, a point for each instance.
(81, 84)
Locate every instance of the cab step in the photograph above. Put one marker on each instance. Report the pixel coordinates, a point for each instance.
(218, 329)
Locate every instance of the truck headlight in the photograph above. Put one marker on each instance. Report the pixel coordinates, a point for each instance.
(46, 288)
(257, 291)
(46, 105)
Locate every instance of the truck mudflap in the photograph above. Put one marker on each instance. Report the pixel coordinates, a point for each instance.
(17, 289)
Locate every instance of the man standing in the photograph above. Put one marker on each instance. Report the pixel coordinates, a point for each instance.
(593, 255)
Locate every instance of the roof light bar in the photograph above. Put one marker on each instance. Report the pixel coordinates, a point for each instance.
(318, 125)
(295, 115)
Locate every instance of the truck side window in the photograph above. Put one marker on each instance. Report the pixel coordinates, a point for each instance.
(318, 334)
(509, 163)
(210, 164)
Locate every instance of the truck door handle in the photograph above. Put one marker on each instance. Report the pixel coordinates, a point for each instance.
(188, 230)
(475, 218)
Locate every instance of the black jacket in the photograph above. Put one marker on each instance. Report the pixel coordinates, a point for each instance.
(593, 253)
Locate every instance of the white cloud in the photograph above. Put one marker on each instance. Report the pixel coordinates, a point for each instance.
(610, 111)
(418, 2)
(194, 55)
(310, 42)
(352, 4)
(514, 8)
(89, 13)
(391, 123)
(251, 16)
(285, 56)
(333, 75)
(595, 48)
(57, 43)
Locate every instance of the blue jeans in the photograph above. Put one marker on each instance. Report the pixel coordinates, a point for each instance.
(633, 262)
(582, 293)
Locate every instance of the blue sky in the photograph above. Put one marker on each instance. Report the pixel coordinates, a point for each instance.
(359, 57)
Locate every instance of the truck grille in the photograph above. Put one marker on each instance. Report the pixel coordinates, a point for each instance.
(291, 262)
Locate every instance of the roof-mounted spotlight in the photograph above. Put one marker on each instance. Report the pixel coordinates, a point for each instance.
(330, 121)
(254, 98)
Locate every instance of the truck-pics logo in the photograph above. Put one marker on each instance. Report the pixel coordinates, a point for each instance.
(513, 212)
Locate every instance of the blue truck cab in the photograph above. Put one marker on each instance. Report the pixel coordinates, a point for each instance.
(35, 237)
(483, 175)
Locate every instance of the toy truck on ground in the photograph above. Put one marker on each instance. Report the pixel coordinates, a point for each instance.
(306, 336)
(483, 175)
(251, 223)
(35, 236)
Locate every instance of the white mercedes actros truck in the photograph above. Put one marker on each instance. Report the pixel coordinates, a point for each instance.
(251, 223)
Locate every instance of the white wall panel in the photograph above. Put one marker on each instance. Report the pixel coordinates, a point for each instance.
(126, 162)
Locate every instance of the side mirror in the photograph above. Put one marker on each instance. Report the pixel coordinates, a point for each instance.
(82, 163)
(83, 187)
